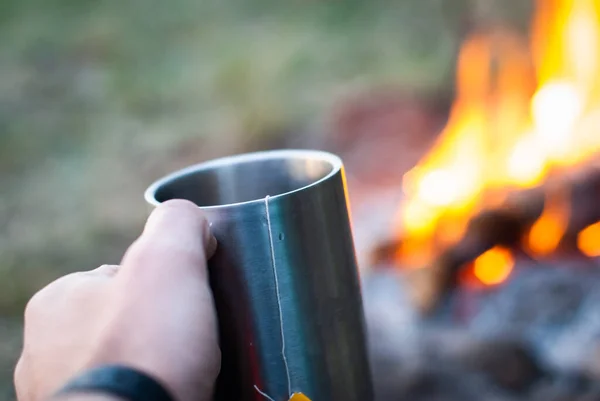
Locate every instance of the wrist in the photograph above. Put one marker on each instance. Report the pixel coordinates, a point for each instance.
(114, 382)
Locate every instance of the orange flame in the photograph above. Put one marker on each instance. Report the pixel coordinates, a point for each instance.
(588, 240)
(448, 184)
(521, 112)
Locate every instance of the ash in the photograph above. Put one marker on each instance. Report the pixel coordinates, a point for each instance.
(535, 337)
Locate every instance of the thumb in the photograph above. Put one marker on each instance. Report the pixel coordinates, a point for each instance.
(164, 220)
(175, 244)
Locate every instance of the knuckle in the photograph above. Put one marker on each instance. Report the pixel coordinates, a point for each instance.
(19, 377)
(35, 302)
(19, 371)
(41, 298)
(106, 270)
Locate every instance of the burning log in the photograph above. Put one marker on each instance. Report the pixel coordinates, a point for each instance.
(503, 226)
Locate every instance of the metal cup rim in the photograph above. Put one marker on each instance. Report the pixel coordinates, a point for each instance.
(332, 159)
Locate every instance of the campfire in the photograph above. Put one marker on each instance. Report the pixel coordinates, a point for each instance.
(515, 173)
(494, 287)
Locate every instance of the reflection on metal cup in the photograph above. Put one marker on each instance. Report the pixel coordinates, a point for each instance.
(284, 277)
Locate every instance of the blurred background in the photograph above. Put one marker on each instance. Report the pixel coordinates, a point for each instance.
(98, 99)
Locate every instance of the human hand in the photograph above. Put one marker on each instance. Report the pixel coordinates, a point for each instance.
(154, 312)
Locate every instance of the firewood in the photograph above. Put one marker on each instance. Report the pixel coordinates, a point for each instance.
(505, 226)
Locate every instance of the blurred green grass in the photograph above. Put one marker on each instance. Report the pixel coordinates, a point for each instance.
(99, 98)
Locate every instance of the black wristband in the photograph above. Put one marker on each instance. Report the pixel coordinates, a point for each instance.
(119, 381)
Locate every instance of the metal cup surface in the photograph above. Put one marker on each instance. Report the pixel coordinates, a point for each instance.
(284, 277)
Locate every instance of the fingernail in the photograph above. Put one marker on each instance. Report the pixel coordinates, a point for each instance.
(211, 248)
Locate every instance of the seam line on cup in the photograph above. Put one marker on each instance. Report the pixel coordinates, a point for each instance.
(273, 264)
(263, 393)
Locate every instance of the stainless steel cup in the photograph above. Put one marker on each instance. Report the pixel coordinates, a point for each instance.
(284, 277)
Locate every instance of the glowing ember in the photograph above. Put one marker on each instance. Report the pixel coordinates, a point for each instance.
(588, 240)
(535, 112)
(494, 266)
(546, 233)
